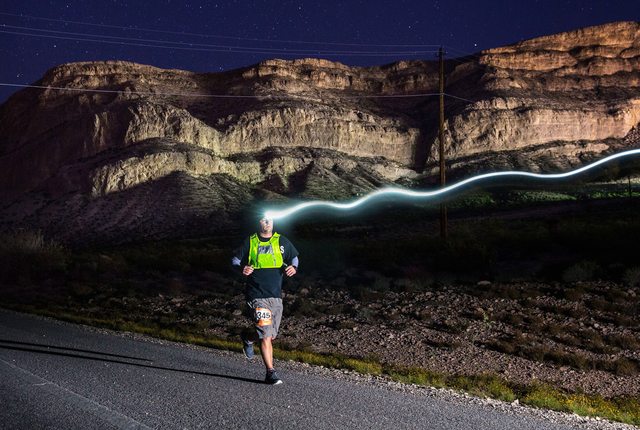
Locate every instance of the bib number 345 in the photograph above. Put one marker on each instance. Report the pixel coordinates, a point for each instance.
(263, 317)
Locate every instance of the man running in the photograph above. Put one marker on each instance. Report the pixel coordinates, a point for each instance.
(264, 258)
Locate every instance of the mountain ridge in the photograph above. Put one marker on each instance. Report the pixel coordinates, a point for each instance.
(553, 103)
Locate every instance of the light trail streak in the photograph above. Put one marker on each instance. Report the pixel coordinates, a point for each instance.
(390, 191)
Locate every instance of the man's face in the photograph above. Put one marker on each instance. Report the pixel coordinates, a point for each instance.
(266, 225)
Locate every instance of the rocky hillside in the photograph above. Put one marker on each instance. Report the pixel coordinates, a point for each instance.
(157, 152)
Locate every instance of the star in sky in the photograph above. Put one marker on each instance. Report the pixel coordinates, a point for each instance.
(285, 29)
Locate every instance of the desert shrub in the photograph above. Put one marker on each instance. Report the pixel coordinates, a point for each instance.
(622, 366)
(518, 345)
(344, 325)
(366, 313)
(364, 293)
(381, 283)
(339, 283)
(508, 292)
(631, 277)
(454, 326)
(534, 323)
(615, 295)
(305, 308)
(531, 196)
(477, 255)
(236, 331)
(553, 329)
(413, 285)
(478, 199)
(339, 309)
(215, 260)
(81, 290)
(576, 360)
(502, 345)
(109, 265)
(624, 320)
(175, 286)
(405, 285)
(511, 318)
(157, 257)
(624, 341)
(574, 294)
(535, 352)
(568, 339)
(625, 367)
(594, 341)
(515, 345)
(544, 396)
(26, 254)
(583, 271)
(603, 305)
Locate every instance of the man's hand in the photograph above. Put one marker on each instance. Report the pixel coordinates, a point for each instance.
(290, 271)
(247, 270)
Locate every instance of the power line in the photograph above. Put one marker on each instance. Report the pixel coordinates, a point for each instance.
(226, 47)
(182, 33)
(248, 51)
(457, 60)
(465, 53)
(460, 98)
(230, 96)
(91, 90)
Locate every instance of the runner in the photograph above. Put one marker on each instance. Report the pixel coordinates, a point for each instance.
(264, 258)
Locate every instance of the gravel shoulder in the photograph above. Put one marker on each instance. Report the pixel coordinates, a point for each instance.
(451, 331)
(384, 383)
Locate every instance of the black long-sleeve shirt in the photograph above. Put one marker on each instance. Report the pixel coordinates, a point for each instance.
(265, 283)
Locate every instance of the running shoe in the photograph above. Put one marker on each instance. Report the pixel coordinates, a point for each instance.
(272, 378)
(247, 348)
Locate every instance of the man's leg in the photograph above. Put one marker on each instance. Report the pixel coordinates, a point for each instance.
(266, 315)
(248, 339)
(266, 349)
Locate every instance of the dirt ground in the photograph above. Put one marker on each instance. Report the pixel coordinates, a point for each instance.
(582, 344)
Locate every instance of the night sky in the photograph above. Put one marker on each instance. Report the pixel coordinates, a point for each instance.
(215, 36)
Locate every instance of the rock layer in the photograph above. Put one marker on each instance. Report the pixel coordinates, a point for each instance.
(106, 127)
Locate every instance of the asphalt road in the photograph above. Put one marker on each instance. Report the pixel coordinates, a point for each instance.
(57, 375)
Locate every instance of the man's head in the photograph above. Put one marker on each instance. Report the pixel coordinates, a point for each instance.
(266, 226)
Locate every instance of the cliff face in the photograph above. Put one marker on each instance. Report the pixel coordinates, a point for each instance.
(577, 87)
(283, 126)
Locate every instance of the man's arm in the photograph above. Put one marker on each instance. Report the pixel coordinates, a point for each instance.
(239, 255)
(292, 268)
(290, 255)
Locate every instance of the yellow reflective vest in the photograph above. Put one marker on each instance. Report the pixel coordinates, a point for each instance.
(265, 255)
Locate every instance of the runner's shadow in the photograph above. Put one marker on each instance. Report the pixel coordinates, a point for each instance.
(110, 360)
(14, 342)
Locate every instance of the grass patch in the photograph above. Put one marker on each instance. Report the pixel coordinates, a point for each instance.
(523, 347)
(626, 410)
(622, 409)
(23, 250)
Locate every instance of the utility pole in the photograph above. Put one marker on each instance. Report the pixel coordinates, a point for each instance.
(443, 206)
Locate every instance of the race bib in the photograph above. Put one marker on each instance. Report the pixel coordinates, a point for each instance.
(263, 317)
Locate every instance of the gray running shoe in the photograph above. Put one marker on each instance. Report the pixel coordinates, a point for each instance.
(272, 378)
(247, 348)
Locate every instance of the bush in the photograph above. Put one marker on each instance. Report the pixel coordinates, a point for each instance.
(624, 341)
(583, 271)
(305, 308)
(625, 367)
(631, 277)
(574, 294)
(26, 254)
